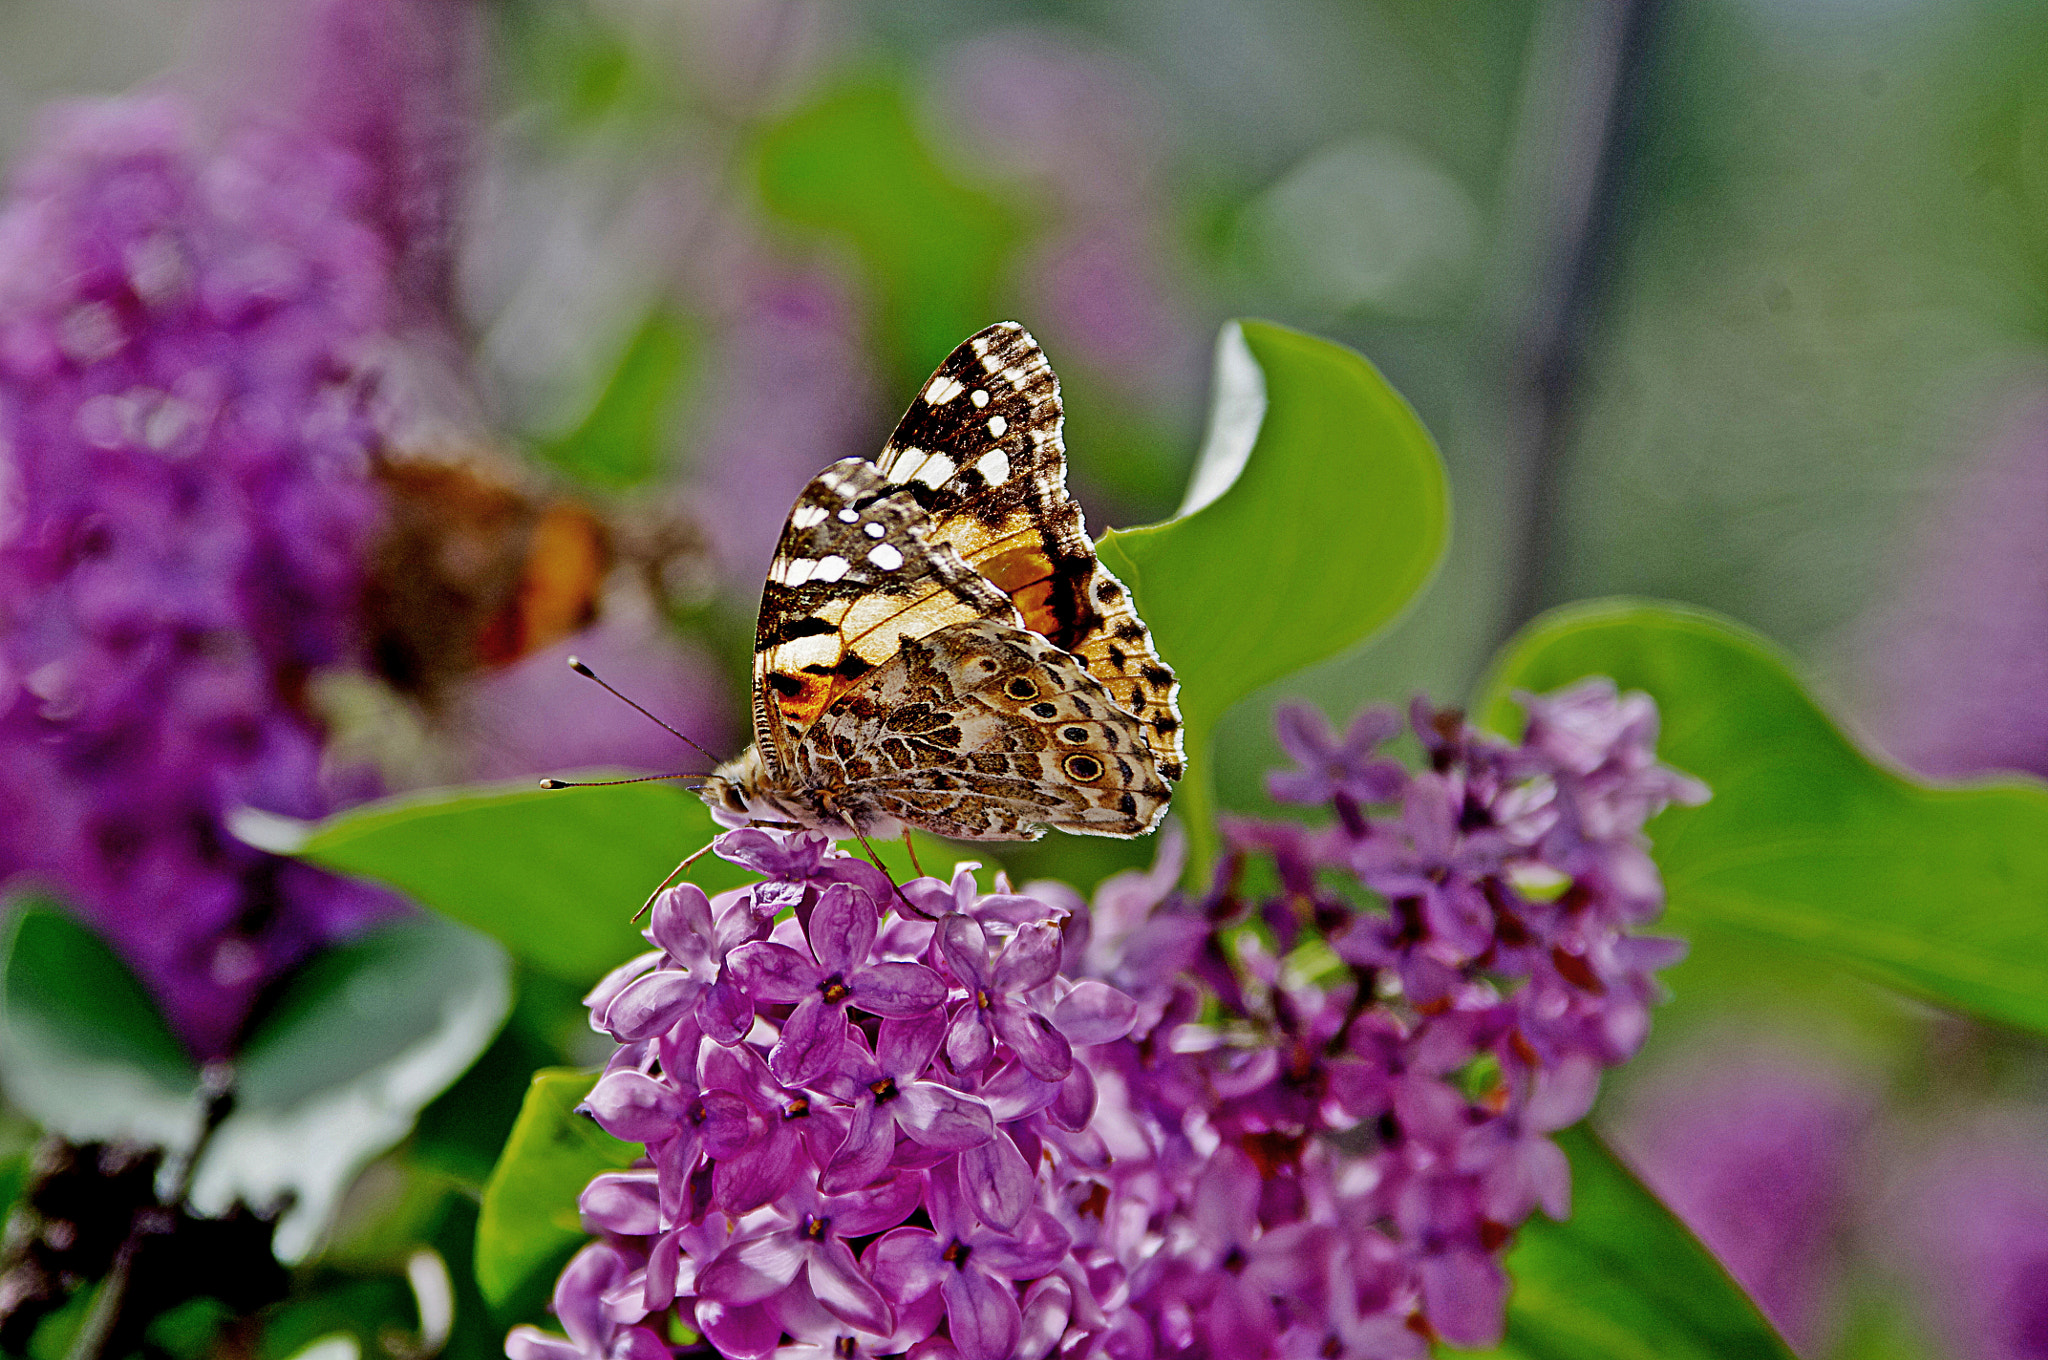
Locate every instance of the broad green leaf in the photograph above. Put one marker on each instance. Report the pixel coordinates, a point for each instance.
(852, 168)
(338, 1068)
(554, 876)
(529, 1227)
(1808, 843)
(1318, 509)
(619, 443)
(1621, 1279)
(83, 1048)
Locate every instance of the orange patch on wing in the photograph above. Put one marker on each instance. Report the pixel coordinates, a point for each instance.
(1026, 575)
(565, 566)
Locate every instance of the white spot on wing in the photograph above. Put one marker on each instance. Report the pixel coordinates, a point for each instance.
(885, 556)
(820, 649)
(872, 529)
(804, 516)
(849, 515)
(998, 427)
(980, 397)
(994, 465)
(937, 468)
(794, 572)
(829, 568)
(943, 390)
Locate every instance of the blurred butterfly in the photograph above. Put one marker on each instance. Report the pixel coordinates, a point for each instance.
(479, 565)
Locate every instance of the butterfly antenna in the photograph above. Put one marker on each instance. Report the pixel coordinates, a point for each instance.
(608, 783)
(577, 665)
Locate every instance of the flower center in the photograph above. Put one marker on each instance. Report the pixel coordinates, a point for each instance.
(816, 1228)
(845, 1346)
(798, 1108)
(834, 989)
(885, 1090)
(956, 1252)
(1235, 1261)
(981, 999)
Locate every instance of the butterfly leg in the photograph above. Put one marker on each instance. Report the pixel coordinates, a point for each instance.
(911, 850)
(876, 860)
(673, 875)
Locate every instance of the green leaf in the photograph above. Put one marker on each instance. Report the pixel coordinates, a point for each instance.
(338, 1068)
(1621, 1279)
(553, 876)
(620, 442)
(1808, 844)
(852, 167)
(83, 1048)
(529, 1226)
(1319, 509)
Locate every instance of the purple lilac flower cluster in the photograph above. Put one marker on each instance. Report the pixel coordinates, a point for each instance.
(184, 514)
(1299, 1121)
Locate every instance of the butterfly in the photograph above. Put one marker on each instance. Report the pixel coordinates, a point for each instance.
(938, 645)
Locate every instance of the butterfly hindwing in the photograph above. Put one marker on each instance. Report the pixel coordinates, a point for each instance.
(981, 450)
(987, 731)
(854, 576)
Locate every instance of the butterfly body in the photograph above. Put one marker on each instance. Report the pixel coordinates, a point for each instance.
(938, 645)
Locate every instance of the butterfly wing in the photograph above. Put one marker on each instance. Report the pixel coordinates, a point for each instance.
(854, 576)
(987, 731)
(981, 451)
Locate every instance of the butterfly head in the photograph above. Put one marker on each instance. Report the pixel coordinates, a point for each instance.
(734, 787)
(743, 790)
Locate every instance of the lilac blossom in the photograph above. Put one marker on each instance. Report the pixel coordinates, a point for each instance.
(994, 1007)
(887, 1093)
(579, 1306)
(1160, 1124)
(823, 986)
(971, 1264)
(1331, 766)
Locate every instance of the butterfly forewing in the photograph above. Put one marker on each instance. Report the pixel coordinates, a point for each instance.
(982, 453)
(854, 575)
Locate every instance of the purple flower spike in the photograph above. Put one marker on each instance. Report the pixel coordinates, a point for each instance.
(1135, 1133)
(994, 1008)
(842, 930)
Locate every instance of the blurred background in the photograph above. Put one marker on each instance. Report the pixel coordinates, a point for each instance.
(1741, 303)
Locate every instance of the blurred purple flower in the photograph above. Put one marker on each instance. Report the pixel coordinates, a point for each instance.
(394, 84)
(794, 392)
(534, 717)
(1268, 1165)
(1087, 131)
(1330, 766)
(186, 431)
(1974, 1230)
(1960, 656)
(1757, 1150)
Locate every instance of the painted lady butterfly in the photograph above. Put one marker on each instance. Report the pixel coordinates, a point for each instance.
(938, 646)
